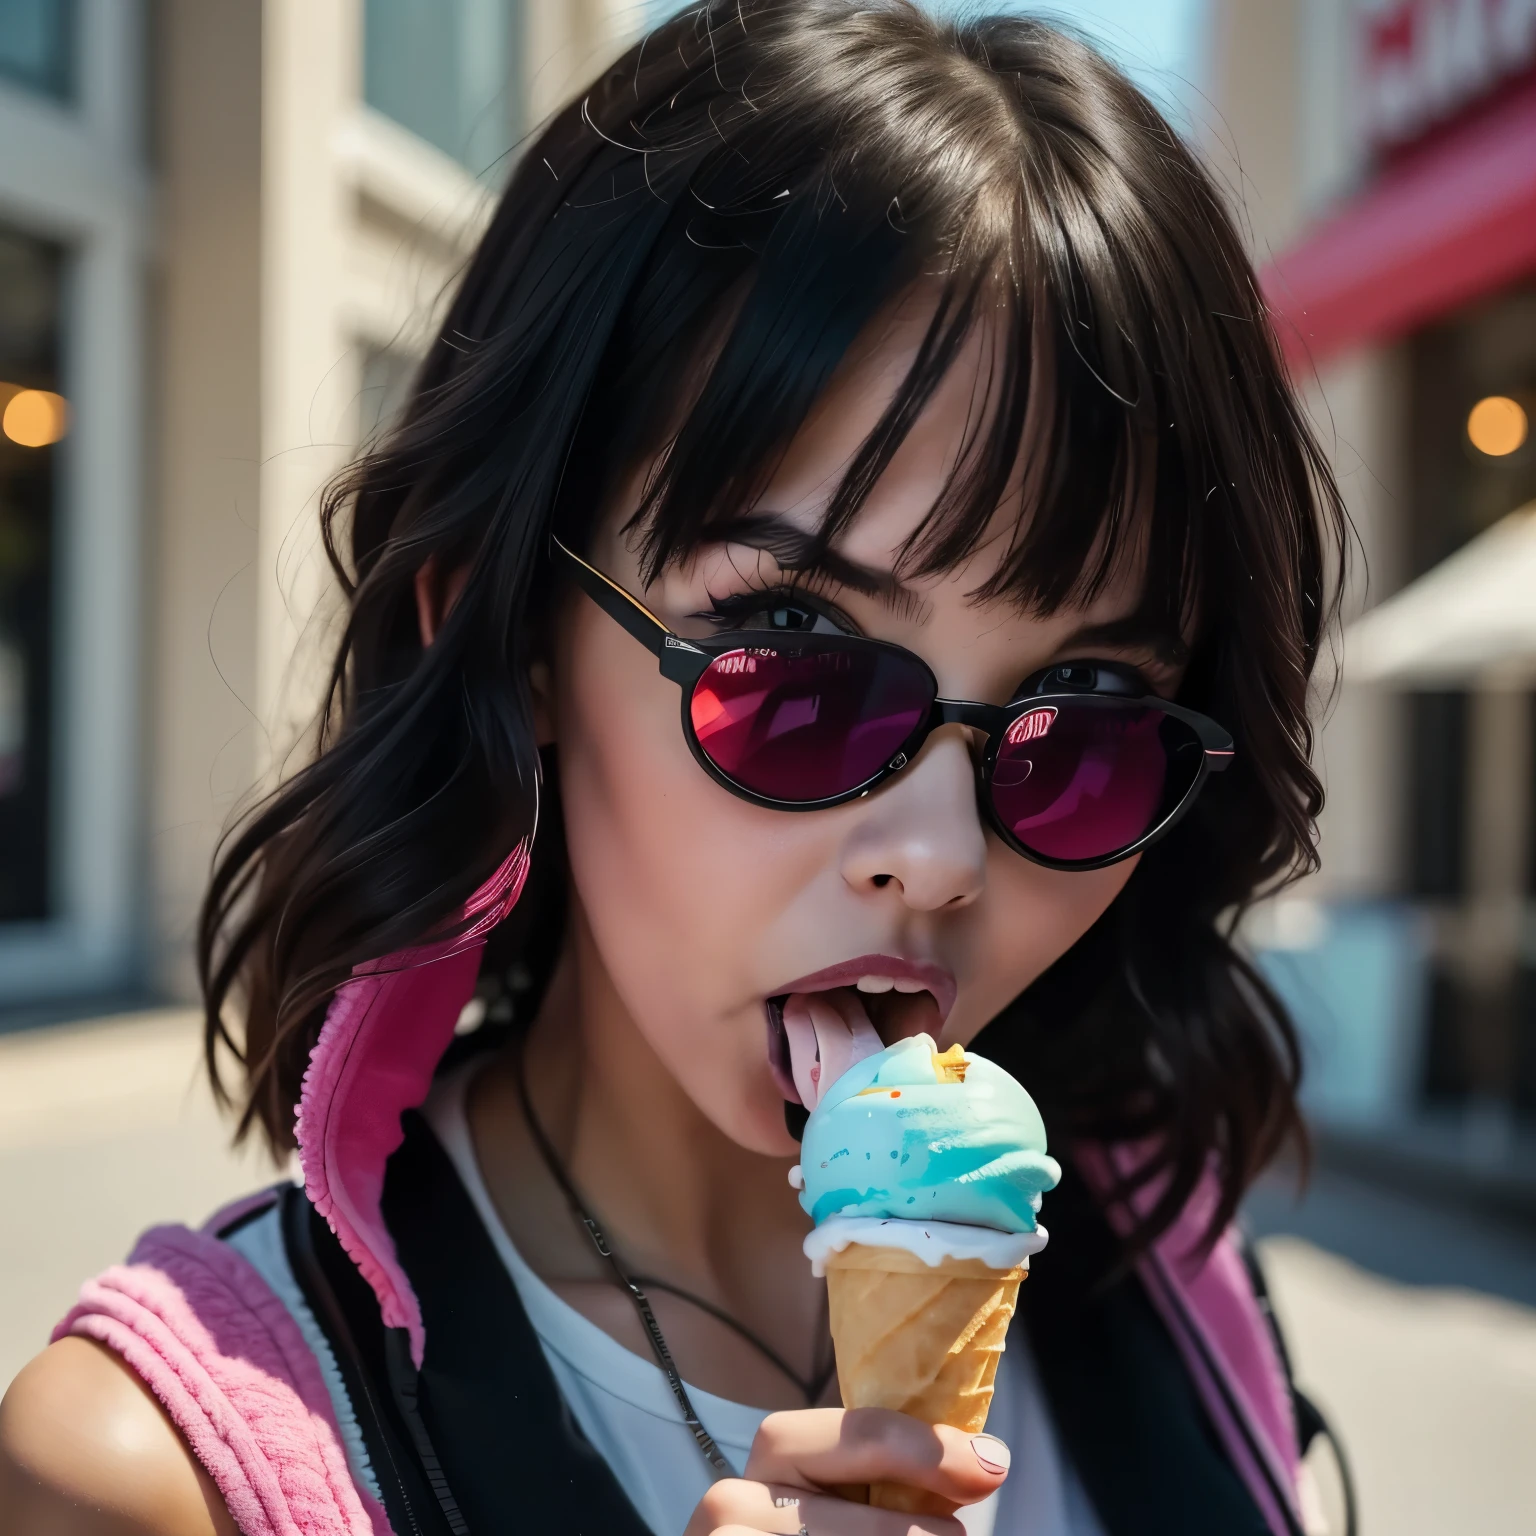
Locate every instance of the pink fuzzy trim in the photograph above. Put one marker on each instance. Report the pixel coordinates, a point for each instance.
(1212, 1299)
(199, 1326)
(383, 1036)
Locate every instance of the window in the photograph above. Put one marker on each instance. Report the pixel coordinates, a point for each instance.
(33, 418)
(447, 70)
(1484, 355)
(1530, 818)
(37, 45)
(1437, 795)
(74, 234)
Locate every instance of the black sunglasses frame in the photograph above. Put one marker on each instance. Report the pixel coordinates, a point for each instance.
(684, 662)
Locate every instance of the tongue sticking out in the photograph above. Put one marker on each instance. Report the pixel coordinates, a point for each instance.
(828, 1032)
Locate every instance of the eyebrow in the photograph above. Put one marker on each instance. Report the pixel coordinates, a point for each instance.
(804, 554)
(1135, 631)
(801, 552)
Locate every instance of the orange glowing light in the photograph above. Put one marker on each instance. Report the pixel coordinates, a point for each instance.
(35, 417)
(1497, 426)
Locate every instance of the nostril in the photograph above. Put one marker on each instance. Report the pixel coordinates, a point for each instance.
(882, 881)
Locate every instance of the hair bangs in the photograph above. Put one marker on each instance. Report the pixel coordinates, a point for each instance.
(1062, 458)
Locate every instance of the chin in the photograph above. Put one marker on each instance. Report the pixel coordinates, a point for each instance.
(757, 1124)
(767, 1135)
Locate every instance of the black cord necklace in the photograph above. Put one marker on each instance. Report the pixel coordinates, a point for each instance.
(634, 1287)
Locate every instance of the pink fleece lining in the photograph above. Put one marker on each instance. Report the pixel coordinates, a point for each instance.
(192, 1318)
(1209, 1308)
(383, 1036)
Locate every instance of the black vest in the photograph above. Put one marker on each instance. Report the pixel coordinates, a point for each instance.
(480, 1442)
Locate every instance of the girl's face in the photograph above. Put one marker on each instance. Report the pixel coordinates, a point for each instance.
(696, 906)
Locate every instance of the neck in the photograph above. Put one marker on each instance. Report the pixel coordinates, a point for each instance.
(679, 1199)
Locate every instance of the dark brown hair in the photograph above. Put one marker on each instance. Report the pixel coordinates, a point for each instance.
(753, 182)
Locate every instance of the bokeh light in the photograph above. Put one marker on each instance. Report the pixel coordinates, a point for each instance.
(1497, 426)
(35, 417)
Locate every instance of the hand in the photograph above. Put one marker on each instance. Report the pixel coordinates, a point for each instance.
(799, 1459)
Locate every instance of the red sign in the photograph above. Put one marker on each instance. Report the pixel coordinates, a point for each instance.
(1422, 61)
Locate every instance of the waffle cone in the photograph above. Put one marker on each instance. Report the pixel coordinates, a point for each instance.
(922, 1339)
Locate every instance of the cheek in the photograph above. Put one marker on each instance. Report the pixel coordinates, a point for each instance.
(641, 835)
(677, 880)
(1033, 917)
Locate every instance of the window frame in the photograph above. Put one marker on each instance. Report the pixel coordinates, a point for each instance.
(76, 172)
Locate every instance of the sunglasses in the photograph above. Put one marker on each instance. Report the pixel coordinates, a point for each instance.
(1084, 768)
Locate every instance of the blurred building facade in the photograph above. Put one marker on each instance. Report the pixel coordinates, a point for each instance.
(1384, 152)
(224, 232)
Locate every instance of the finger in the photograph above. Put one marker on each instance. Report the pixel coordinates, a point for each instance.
(741, 1505)
(825, 1447)
(733, 1505)
(823, 1514)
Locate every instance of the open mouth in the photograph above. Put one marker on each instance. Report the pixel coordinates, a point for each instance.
(816, 1033)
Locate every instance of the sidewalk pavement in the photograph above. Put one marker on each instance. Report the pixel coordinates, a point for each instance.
(1413, 1325)
(1432, 1391)
(107, 1127)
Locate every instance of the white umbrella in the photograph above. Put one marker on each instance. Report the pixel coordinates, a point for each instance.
(1470, 619)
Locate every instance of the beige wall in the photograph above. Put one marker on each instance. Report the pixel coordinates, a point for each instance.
(1359, 411)
(566, 40)
(205, 501)
(1249, 132)
(299, 231)
(311, 84)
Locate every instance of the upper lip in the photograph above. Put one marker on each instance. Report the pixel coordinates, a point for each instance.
(846, 973)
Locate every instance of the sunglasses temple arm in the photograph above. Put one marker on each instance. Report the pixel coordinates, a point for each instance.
(625, 610)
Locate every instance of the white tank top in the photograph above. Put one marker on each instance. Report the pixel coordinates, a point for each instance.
(626, 1409)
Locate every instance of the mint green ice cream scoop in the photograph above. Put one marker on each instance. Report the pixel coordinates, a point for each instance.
(899, 1136)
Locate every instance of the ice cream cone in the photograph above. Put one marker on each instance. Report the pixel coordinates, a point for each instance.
(921, 1338)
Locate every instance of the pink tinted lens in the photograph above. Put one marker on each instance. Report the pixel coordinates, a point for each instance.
(803, 724)
(1080, 781)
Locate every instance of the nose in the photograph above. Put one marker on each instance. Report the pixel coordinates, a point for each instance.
(920, 832)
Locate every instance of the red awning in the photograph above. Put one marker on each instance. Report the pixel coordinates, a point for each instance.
(1456, 221)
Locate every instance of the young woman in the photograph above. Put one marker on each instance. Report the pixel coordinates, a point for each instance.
(852, 536)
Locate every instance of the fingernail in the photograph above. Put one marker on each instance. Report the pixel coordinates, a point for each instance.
(992, 1453)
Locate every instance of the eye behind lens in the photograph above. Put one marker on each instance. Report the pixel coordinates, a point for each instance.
(808, 722)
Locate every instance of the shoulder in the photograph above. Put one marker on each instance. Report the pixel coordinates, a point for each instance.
(86, 1450)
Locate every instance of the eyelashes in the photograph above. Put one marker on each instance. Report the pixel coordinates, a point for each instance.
(783, 607)
(732, 607)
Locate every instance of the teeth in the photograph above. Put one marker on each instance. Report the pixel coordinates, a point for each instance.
(889, 984)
